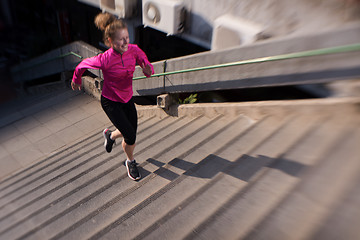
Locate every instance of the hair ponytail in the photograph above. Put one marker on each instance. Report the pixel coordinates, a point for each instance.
(108, 23)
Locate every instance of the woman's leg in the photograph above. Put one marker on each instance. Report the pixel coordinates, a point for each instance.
(124, 118)
(128, 144)
(129, 150)
(116, 134)
(131, 114)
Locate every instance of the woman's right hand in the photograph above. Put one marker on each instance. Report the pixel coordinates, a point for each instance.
(75, 86)
(146, 69)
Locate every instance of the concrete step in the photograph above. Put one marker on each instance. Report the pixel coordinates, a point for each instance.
(273, 183)
(217, 176)
(42, 166)
(322, 188)
(64, 176)
(64, 184)
(217, 194)
(339, 223)
(151, 183)
(54, 178)
(167, 170)
(236, 181)
(172, 194)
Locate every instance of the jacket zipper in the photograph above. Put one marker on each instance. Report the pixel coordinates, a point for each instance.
(122, 60)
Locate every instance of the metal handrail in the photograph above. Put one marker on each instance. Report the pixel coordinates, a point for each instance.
(70, 53)
(310, 53)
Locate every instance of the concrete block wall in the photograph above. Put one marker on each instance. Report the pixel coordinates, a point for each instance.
(316, 69)
(51, 63)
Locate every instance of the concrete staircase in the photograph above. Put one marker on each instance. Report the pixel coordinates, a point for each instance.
(284, 170)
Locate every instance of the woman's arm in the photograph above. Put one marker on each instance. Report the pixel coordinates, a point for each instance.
(142, 60)
(92, 63)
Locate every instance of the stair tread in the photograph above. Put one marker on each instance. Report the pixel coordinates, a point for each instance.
(157, 181)
(195, 212)
(337, 226)
(314, 193)
(199, 175)
(262, 195)
(174, 192)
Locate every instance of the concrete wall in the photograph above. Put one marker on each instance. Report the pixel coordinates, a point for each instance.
(307, 70)
(52, 62)
(277, 17)
(272, 18)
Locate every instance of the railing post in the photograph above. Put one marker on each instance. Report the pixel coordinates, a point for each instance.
(164, 77)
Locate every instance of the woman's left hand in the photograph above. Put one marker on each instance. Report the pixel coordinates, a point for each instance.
(146, 69)
(75, 86)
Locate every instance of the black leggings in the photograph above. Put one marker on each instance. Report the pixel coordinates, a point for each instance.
(123, 116)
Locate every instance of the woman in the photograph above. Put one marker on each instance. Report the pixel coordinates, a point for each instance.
(118, 66)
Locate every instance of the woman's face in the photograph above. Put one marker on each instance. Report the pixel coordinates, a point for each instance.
(120, 42)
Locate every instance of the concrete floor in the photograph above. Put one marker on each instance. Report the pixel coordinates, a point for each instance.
(259, 170)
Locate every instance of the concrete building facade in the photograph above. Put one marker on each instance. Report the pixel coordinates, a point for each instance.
(222, 24)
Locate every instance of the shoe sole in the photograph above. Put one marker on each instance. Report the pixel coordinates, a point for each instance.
(104, 134)
(105, 143)
(128, 172)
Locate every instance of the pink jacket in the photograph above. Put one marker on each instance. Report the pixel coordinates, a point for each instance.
(117, 70)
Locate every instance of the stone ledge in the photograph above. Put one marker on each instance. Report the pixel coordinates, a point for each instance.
(92, 86)
(257, 110)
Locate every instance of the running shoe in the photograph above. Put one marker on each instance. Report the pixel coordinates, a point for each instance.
(132, 170)
(108, 144)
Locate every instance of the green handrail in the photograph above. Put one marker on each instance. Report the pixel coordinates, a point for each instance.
(70, 53)
(317, 52)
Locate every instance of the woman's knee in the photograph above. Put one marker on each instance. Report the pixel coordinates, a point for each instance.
(130, 140)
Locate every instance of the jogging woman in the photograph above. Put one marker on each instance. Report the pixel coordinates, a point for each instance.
(118, 65)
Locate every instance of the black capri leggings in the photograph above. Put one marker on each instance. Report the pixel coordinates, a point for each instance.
(123, 116)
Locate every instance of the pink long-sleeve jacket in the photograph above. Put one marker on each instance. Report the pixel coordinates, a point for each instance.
(117, 70)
